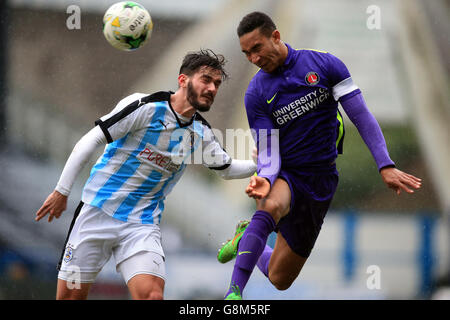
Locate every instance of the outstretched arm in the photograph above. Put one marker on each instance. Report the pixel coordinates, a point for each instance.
(237, 169)
(216, 158)
(56, 202)
(266, 138)
(370, 131)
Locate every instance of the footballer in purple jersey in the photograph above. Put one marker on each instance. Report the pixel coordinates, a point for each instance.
(300, 100)
(292, 107)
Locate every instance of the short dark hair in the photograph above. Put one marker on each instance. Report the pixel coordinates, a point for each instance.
(193, 61)
(256, 20)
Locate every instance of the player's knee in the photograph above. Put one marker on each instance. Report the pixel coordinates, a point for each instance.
(281, 283)
(273, 207)
(155, 295)
(149, 295)
(280, 280)
(282, 286)
(146, 287)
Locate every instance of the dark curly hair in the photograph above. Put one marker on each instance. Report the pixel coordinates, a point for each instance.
(193, 61)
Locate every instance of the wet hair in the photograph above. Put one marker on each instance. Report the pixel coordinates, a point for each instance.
(254, 21)
(193, 61)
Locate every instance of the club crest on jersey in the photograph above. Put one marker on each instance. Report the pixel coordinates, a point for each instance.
(68, 255)
(312, 78)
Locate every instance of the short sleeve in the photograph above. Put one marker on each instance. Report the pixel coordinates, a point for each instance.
(341, 81)
(128, 115)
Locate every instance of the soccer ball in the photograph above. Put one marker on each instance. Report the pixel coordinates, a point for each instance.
(127, 25)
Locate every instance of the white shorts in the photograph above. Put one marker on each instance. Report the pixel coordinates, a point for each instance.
(95, 236)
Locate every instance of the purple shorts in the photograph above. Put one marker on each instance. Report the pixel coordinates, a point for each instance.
(311, 195)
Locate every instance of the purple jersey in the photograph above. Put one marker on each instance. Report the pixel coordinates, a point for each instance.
(300, 99)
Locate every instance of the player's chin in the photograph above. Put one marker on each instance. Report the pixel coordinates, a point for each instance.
(208, 101)
(204, 108)
(268, 67)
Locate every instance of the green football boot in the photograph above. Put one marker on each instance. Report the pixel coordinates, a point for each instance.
(235, 294)
(228, 251)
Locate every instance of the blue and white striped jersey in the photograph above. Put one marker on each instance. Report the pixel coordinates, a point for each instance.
(147, 151)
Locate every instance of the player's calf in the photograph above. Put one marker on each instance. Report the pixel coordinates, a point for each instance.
(285, 265)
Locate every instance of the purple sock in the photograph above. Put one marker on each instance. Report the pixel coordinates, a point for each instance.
(263, 262)
(251, 247)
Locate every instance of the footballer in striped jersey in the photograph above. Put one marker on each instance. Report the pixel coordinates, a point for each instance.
(149, 140)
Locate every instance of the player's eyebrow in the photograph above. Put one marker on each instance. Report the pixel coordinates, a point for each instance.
(205, 75)
(211, 78)
(255, 47)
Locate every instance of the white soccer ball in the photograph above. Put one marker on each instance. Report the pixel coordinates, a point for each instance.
(127, 25)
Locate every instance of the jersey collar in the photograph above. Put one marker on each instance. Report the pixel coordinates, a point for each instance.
(180, 123)
(289, 57)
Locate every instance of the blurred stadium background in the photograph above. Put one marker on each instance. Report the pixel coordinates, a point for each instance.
(54, 82)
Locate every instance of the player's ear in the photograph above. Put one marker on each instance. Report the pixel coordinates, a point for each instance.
(182, 80)
(276, 36)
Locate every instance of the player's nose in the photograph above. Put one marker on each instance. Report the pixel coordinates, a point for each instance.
(254, 58)
(212, 88)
